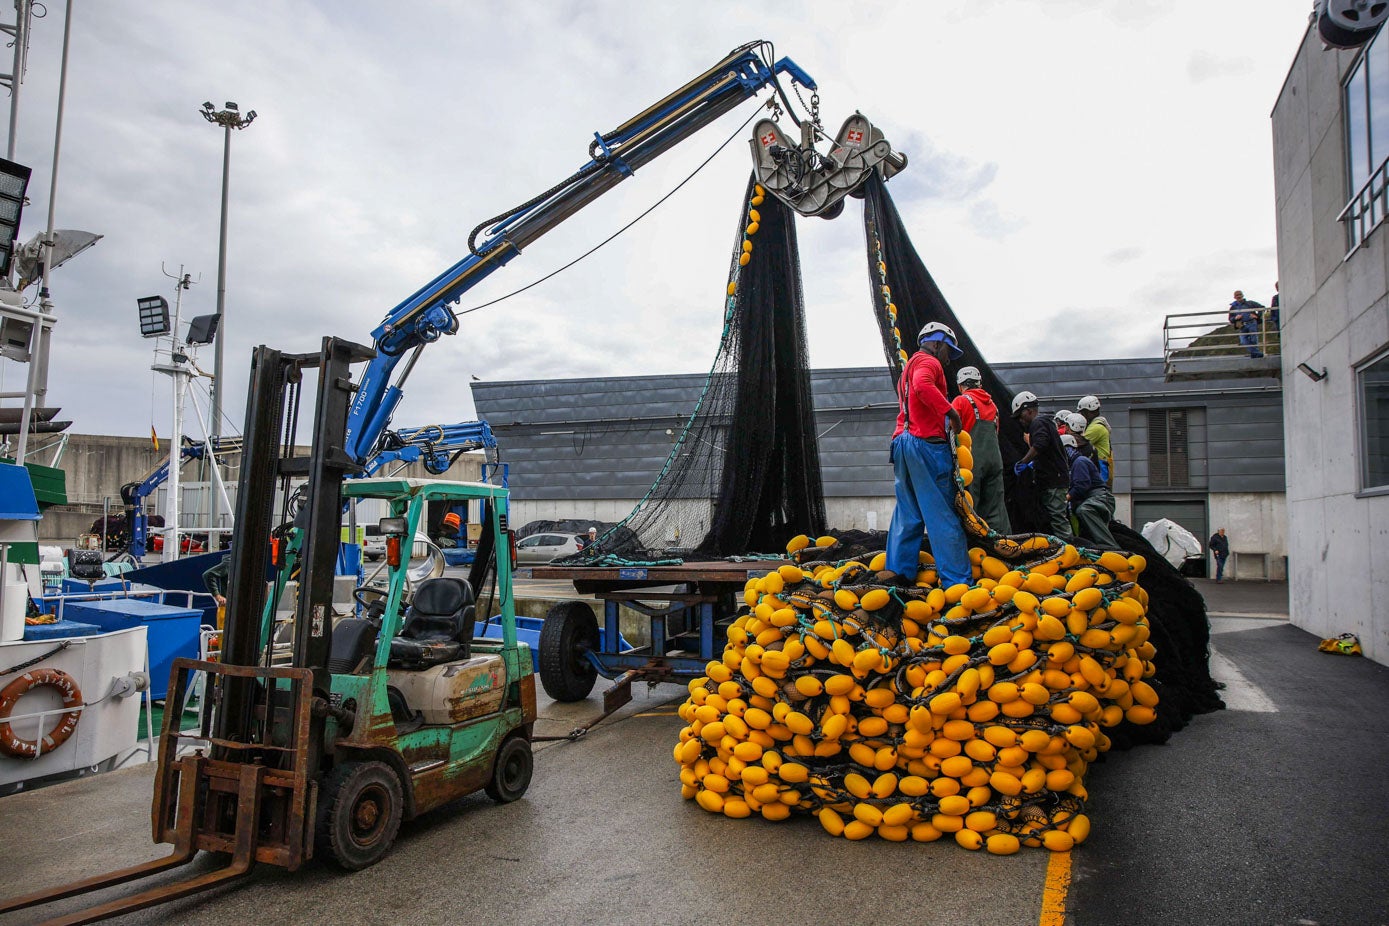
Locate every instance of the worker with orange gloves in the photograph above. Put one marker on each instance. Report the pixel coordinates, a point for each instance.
(979, 419)
(923, 466)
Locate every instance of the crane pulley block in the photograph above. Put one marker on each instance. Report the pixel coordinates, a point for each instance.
(813, 183)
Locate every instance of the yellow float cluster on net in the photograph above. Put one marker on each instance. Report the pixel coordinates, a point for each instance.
(913, 713)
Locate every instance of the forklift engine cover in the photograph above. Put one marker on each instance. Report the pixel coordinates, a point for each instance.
(454, 691)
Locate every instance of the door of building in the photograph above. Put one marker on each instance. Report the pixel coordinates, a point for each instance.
(1190, 513)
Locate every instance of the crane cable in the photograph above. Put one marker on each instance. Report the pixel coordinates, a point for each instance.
(652, 208)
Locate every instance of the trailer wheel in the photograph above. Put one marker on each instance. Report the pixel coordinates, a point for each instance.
(511, 772)
(359, 811)
(570, 630)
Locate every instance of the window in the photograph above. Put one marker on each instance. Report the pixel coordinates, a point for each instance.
(1372, 395)
(1168, 461)
(1365, 104)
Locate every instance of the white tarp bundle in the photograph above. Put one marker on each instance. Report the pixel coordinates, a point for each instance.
(1173, 541)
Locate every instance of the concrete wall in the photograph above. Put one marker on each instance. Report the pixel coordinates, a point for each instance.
(1335, 314)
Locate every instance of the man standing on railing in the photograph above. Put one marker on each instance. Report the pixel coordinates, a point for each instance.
(1244, 316)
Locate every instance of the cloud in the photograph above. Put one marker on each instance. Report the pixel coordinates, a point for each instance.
(382, 142)
(1122, 256)
(1204, 66)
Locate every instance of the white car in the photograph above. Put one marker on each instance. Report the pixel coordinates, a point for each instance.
(374, 543)
(541, 548)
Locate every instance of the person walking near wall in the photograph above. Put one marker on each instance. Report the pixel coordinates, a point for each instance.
(1091, 500)
(979, 417)
(1220, 549)
(1046, 458)
(1096, 433)
(924, 467)
(1244, 316)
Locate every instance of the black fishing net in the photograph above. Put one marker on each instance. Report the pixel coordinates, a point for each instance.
(743, 475)
(905, 298)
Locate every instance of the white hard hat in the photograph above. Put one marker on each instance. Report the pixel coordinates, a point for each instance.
(1073, 420)
(968, 375)
(936, 331)
(1069, 440)
(1023, 400)
(1089, 403)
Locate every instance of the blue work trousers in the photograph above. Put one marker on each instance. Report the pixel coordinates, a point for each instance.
(924, 473)
(1249, 337)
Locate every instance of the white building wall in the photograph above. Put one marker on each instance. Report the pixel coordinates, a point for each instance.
(1334, 315)
(1256, 524)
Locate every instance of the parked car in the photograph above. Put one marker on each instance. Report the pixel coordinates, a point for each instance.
(541, 548)
(374, 544)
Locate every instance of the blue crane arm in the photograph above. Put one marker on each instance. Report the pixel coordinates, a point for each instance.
(435, 444)
(426, 315)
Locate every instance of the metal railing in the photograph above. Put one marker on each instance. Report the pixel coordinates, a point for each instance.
(1366, 209)
(1208, 341)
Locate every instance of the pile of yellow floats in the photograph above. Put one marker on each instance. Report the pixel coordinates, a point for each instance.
(911, 713)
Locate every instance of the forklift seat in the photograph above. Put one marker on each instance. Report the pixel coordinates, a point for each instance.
(438, 627)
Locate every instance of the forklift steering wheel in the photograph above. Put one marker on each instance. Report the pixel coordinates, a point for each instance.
(375, 606)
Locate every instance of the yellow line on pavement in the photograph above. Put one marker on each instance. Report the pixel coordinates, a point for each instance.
(1054, 892)
(657, 714)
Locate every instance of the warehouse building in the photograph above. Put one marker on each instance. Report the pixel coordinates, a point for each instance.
(1206, 454)
(1331, 184)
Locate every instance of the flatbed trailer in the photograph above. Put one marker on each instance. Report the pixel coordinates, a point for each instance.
(690, 606)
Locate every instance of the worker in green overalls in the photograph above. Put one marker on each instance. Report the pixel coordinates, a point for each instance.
(979, 416)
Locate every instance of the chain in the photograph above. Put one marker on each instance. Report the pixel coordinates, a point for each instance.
(813, 108)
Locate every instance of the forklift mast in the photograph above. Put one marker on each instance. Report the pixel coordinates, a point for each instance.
(268, 461)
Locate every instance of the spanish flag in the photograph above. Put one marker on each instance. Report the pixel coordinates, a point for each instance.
(154, 438)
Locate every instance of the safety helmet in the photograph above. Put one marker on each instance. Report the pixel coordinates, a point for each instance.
(1023, 400)
(1069, 440)
(1072, 420)
(1089, 403)
(968, 375)
(935, 331)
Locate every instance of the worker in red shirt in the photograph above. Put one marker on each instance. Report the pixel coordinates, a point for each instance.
(979, 416)
(923, 465)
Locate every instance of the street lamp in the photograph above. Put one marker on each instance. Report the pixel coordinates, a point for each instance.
(228, 118)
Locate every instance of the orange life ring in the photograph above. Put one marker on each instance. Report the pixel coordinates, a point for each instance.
(66, 685)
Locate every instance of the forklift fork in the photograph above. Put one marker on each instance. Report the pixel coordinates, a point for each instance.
(252, 799)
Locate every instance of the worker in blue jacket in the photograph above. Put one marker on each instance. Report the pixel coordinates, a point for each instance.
(1091, 501)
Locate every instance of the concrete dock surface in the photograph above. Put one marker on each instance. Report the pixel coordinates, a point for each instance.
(1271, 812)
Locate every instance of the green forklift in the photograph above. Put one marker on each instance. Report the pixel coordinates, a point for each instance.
(328, 730)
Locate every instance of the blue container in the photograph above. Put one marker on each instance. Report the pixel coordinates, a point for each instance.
(171, 632)
(83, 587)
(58, 630)
(528, 632)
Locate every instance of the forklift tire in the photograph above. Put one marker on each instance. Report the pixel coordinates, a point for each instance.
(569, 631)
(359, 812)
(511, 771)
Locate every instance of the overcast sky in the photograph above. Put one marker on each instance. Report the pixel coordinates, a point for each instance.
(1078, 169)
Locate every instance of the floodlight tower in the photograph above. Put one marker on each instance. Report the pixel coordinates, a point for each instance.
(228, 118)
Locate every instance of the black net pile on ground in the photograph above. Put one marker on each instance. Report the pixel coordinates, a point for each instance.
(744, 472)
(972, 711)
